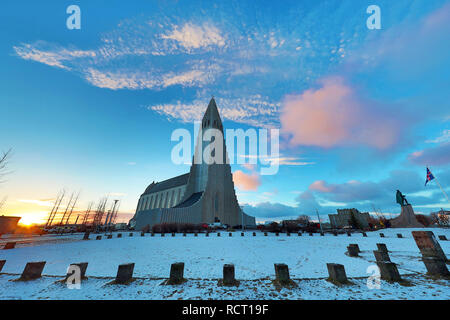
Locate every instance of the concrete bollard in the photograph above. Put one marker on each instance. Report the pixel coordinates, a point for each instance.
(399, 235)
(381, 235)
(265, 234)
(142, 234)
(335, 234)
(356, 246)
(176, 273)
(83, 266)
(310, 234)
(2, 263)
(229, 275)
(196, 234)
(428, 245)
(349, 234)
(207, 234)
(124, 273)
(254, 234)
(131, 234)
(364, 234)
(119, 235)
(322, 234)
(9, 245)
(299, 234)
(288, 234)
(242, 234)
(33, 270)
(389, 271)
(436, 267)
(382, 247)
(173, 234)
(352, 251)
(282, 273)
(381, 256)
(277, 234)
(336, 273)
(98, 238)
(109, 236)
(163, 234)
(443, 238)
(86, 235)
(230, 234)
(184, 234)
(152, 234)
(218, 234)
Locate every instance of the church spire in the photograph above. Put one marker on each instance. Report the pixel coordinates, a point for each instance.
(211, 119)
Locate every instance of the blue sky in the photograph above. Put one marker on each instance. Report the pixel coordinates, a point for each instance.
(360, 112)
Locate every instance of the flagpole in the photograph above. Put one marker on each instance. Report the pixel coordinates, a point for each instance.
(441, 189)
(446, 196)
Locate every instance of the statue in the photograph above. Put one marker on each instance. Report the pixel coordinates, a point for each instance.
(401, 199)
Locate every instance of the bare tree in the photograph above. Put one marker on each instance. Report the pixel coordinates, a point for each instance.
(4, 157)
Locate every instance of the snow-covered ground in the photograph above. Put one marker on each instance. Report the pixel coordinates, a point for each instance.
(204, 257)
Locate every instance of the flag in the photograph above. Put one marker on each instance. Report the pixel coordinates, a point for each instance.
(429, 176)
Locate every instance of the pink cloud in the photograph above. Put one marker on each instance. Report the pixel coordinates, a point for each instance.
(333, 115)
(248, 182)
(436, 156)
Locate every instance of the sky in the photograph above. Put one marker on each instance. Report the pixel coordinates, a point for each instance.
(361, 112)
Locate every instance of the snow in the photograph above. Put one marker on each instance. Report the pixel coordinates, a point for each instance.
(204, 258)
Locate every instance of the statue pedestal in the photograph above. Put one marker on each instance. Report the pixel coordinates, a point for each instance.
(406, 219)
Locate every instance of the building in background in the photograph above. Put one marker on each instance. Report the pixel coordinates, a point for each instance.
(344, 218)
(204, 195)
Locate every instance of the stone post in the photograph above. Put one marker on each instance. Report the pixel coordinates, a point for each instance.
(265, 234)
(218, 234)
(352, 251)
(119, 235)
(86, 235)
(436, 267)
(131, 234)
(337, 273)
(9, 245)
(2, 263)
(33, 270)
(299, 234)
(277, 234)
(288, 234)
(242, 234)
(207, 234)
(83, 266)
(382, 247)
(230, 234)
(173, 234)
(310, 234)
(428, 245)
(282, 273)
(399, 235)
(364, 234)
(381, 235)
(142, 234)
(98, 238)
(229, 275)
(124, 273)
(163, 234)
(389, 271)
(184, 234)
(322, 234)
(349, 234)
(381, 256)
(176, 273)
(254, 234)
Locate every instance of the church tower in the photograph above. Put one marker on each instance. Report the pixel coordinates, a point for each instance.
(213, 178)
(204, 195)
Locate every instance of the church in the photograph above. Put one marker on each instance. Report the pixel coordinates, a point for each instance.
(203, 195)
